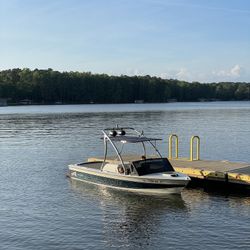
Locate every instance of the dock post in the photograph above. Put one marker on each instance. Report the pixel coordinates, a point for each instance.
(197, 148)
(170, 146)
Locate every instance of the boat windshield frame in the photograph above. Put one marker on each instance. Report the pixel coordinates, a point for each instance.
(152, 166)
(113, 135)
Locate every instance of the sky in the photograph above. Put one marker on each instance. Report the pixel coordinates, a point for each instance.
(191, 40)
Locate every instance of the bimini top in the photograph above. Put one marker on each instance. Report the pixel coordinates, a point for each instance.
(132, 139)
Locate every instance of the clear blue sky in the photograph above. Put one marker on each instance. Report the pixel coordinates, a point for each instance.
(203, 40)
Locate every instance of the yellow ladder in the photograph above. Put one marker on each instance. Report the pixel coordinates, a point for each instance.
(173, 139)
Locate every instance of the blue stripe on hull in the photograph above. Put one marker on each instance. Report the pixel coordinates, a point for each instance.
(121, 183)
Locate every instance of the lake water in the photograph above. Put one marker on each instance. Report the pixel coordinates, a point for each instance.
(42, 209)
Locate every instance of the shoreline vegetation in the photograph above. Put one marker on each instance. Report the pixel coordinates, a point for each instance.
(39, 86)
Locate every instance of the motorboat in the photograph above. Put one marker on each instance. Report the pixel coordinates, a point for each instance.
(143, 173)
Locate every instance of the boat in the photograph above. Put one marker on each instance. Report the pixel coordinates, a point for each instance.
(145, 173)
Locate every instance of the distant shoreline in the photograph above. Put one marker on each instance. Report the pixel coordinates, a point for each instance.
(90, 104)
(49, 87)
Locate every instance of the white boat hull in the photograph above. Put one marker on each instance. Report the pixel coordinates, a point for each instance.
(151, 184)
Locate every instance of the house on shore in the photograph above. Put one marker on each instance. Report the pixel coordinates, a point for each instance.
(3, 102)
(139, 101)
(25, 102)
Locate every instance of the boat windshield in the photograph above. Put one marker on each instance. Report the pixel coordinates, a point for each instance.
(151, 166)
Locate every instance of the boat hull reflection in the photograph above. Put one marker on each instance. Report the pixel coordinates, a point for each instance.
(130, 219)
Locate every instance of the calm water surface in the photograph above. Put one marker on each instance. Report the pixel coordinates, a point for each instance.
(41, 209)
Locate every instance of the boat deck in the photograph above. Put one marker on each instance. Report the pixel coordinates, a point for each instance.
(115, 159)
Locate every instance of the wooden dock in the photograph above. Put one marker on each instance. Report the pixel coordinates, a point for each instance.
(219, 171)
(229, 174)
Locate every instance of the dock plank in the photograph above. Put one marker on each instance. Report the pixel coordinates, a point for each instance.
(220, 166)
(223, 171)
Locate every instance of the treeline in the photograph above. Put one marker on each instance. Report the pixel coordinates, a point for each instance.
(49, 86)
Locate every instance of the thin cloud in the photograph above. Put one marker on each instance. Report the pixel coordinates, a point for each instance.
(134, 72)
(181, 74)
(234, 72)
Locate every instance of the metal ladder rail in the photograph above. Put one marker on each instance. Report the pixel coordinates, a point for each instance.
(170, 147)
(192, 140)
